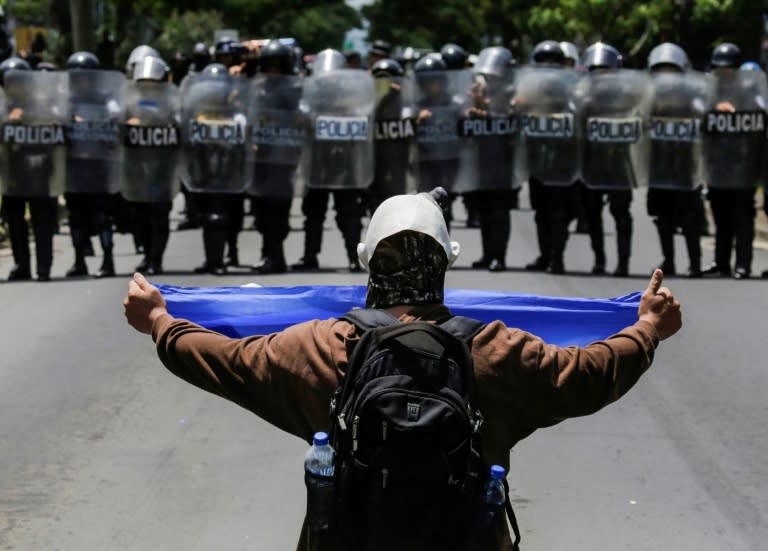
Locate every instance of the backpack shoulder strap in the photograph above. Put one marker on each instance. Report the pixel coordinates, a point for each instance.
(464, 329)
(369, 318)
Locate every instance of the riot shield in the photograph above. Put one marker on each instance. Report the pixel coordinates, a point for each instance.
(548, 106)
(339, 147)
(152, 140)
(214, 139)
(734, 129)
(94, 147)
(674, 130)
(277, 134)
(614, 108)
(440, 100)
(33, 151)
(394, 134)
(488, 132)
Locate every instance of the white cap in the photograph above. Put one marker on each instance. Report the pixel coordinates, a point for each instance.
(418, 213)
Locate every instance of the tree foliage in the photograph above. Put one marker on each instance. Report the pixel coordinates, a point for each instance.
(632, 26)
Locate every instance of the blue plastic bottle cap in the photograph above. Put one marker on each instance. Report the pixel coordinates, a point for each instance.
(321, 439)
(497, 471)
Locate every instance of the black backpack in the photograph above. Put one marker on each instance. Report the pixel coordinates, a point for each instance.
(407, 439)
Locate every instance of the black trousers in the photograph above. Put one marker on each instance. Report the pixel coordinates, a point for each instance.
(43, 220)
(152, 228)
(555, 208)
(222, 218)
(493, 209)
(674, 209)
(350, 207)
(90, 213)
(734, 213)
(619, 202)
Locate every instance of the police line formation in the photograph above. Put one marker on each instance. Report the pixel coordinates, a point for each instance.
(580, 138)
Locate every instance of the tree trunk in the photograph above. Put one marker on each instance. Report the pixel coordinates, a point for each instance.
(83, 38)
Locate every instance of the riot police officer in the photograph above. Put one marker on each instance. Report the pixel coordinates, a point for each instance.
(275, 97)
(138, 54)
(380, 49)
(342, 101)
(93, 158)
(438, 111)
(231, 54)
(571, 53)
(201, 58)
(488, 136)
(215, 155)
(29, 171)
(554, 203)
(151, 151)
(607, 167)
(674, 179)
(734, 145)
(393, 134)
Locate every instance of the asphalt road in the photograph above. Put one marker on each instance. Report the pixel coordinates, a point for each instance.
(102, 448)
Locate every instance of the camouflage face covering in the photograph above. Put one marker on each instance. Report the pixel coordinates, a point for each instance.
(406, 268)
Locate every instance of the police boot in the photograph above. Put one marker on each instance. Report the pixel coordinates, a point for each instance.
(19, 273)
(79, 268)
(485, 260)
(559, 240)
(499, 238)
(233, 256)
(159, 241)
(313, 239)
(214, 241)
(351, 239)
(107, 268)
(693, 243)
(624, 245)
(667, 240)
(544, 238)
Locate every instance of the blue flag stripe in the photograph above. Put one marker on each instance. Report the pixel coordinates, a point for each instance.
(246, 311)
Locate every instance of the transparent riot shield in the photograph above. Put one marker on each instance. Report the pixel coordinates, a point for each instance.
(33, 150)
(488, 132)
(394, 135)
(214, 137)
(735, 129)
(339, 147)
(673, 153)
(151, 139)
(548, 107)
(277, 134)
(614, 108)
(440, 100)
(94, 145)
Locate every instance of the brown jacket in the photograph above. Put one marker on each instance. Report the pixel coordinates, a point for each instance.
(522, 384)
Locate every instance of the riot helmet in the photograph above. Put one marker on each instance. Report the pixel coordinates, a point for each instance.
(750, 66)
(668, 55)
(215, 71)
(387, 68)
(12, 64)
(549, 52)
(327, 61)
(602, 56)
(229, 53)
(726, 55)
(151, 68)
(571, 52)
(455, 56)
(137, 54)
(83, 60)
(380, 49)
(276, 56)
(494, 61)
(45, 66)
(430, 63)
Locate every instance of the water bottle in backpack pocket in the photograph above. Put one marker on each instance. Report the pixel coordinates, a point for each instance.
(491, 506)
(319, 466)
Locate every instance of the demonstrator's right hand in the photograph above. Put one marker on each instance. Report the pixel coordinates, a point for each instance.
(660, 308)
